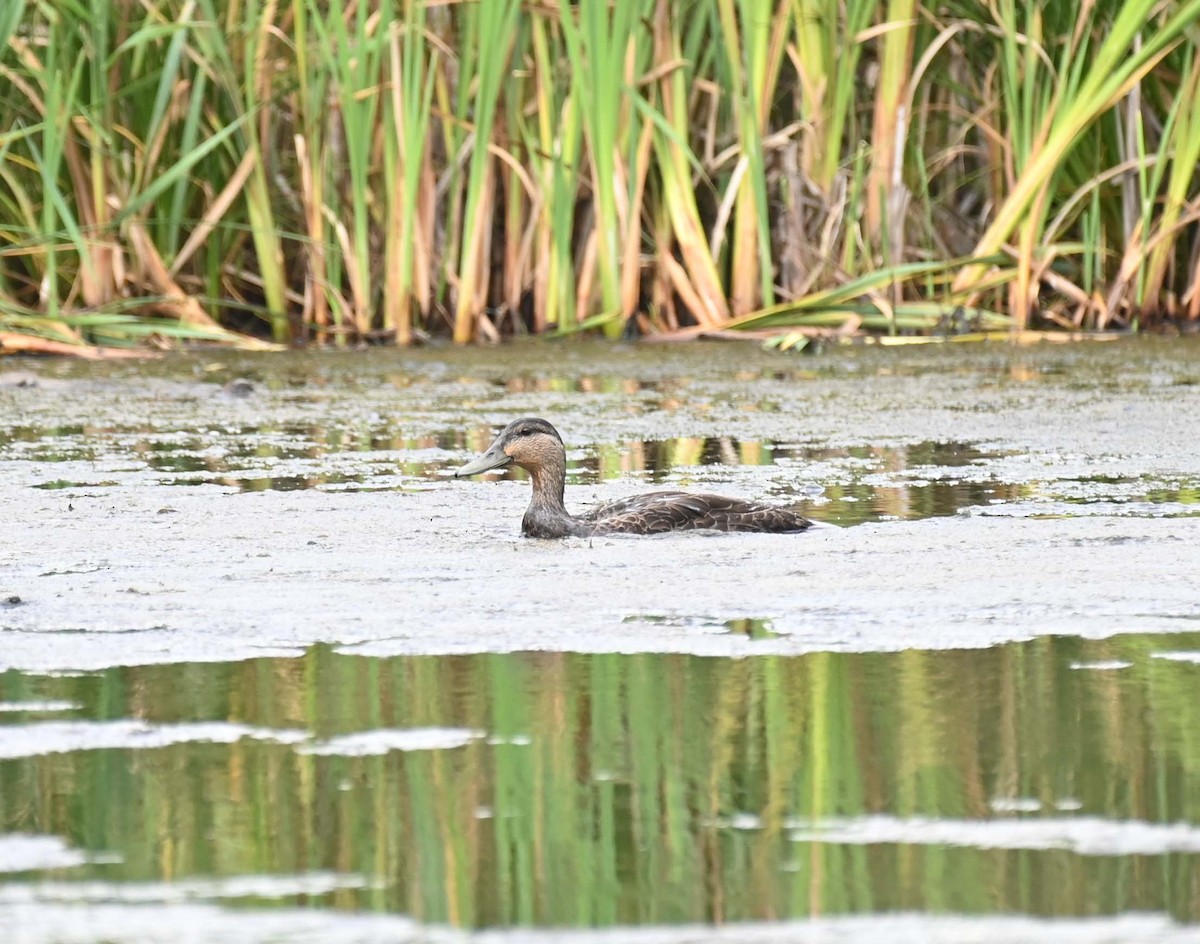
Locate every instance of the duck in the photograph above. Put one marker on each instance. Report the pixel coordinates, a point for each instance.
(532, 444)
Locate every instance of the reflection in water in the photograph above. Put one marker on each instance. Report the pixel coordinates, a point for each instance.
(681, 462)
(567, 789)
(399, 420)
(751, 628)
(289, 458)
(843, 485)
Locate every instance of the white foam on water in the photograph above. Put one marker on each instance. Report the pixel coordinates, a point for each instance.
(1084, 835)
(1180, 656)
(385, 740)
(23, 852)
(192, 923)
(184, 890)
(1015, 804)
(41, 706)
(57, 737)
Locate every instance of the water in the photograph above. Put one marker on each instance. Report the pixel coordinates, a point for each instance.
(846, 485)
(1053, 778)
(268, 673)
(297, 458)
(402, 422)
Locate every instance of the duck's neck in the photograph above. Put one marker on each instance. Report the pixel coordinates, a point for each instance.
(547, 516)
(549, 483)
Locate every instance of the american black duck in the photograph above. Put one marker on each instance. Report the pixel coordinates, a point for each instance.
(534, 445)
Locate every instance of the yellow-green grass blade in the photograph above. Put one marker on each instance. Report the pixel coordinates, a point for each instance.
(1117, 65)
(492, 34)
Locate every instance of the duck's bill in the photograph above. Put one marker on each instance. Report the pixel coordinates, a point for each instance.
(494, 458)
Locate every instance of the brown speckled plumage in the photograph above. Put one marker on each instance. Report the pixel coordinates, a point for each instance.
(534, 445)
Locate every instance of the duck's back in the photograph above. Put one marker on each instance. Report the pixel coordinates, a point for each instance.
(657, 512)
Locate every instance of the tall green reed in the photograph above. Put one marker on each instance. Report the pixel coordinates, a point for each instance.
(487, 35)
(350, 171)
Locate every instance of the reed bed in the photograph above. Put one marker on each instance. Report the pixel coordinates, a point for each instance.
(341, 171)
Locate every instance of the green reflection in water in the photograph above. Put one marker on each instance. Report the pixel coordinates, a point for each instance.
(291, 457)
(845, 485)
(751, 628)
(687, 462)
(638, 788)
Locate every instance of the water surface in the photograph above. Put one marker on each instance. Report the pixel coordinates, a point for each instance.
(799, 430)
(1053, 778)
(267, 672)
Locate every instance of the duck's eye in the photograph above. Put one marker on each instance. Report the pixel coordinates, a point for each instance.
(526, 431)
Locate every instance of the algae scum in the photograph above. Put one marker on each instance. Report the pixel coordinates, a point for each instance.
(267, 672)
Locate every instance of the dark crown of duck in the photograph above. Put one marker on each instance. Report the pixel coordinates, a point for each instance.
(534, 445)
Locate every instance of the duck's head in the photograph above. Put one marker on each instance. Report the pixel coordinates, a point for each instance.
(529, 443)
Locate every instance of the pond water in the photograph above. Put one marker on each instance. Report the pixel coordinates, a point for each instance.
(327, 693)
(1054, 777)
(296, 458)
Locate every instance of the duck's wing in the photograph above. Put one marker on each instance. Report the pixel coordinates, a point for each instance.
(664, 506)
(656, 512)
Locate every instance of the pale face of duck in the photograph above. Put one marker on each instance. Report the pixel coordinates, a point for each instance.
(528, 443)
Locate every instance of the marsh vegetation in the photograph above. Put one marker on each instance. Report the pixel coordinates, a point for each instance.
(346, 170)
